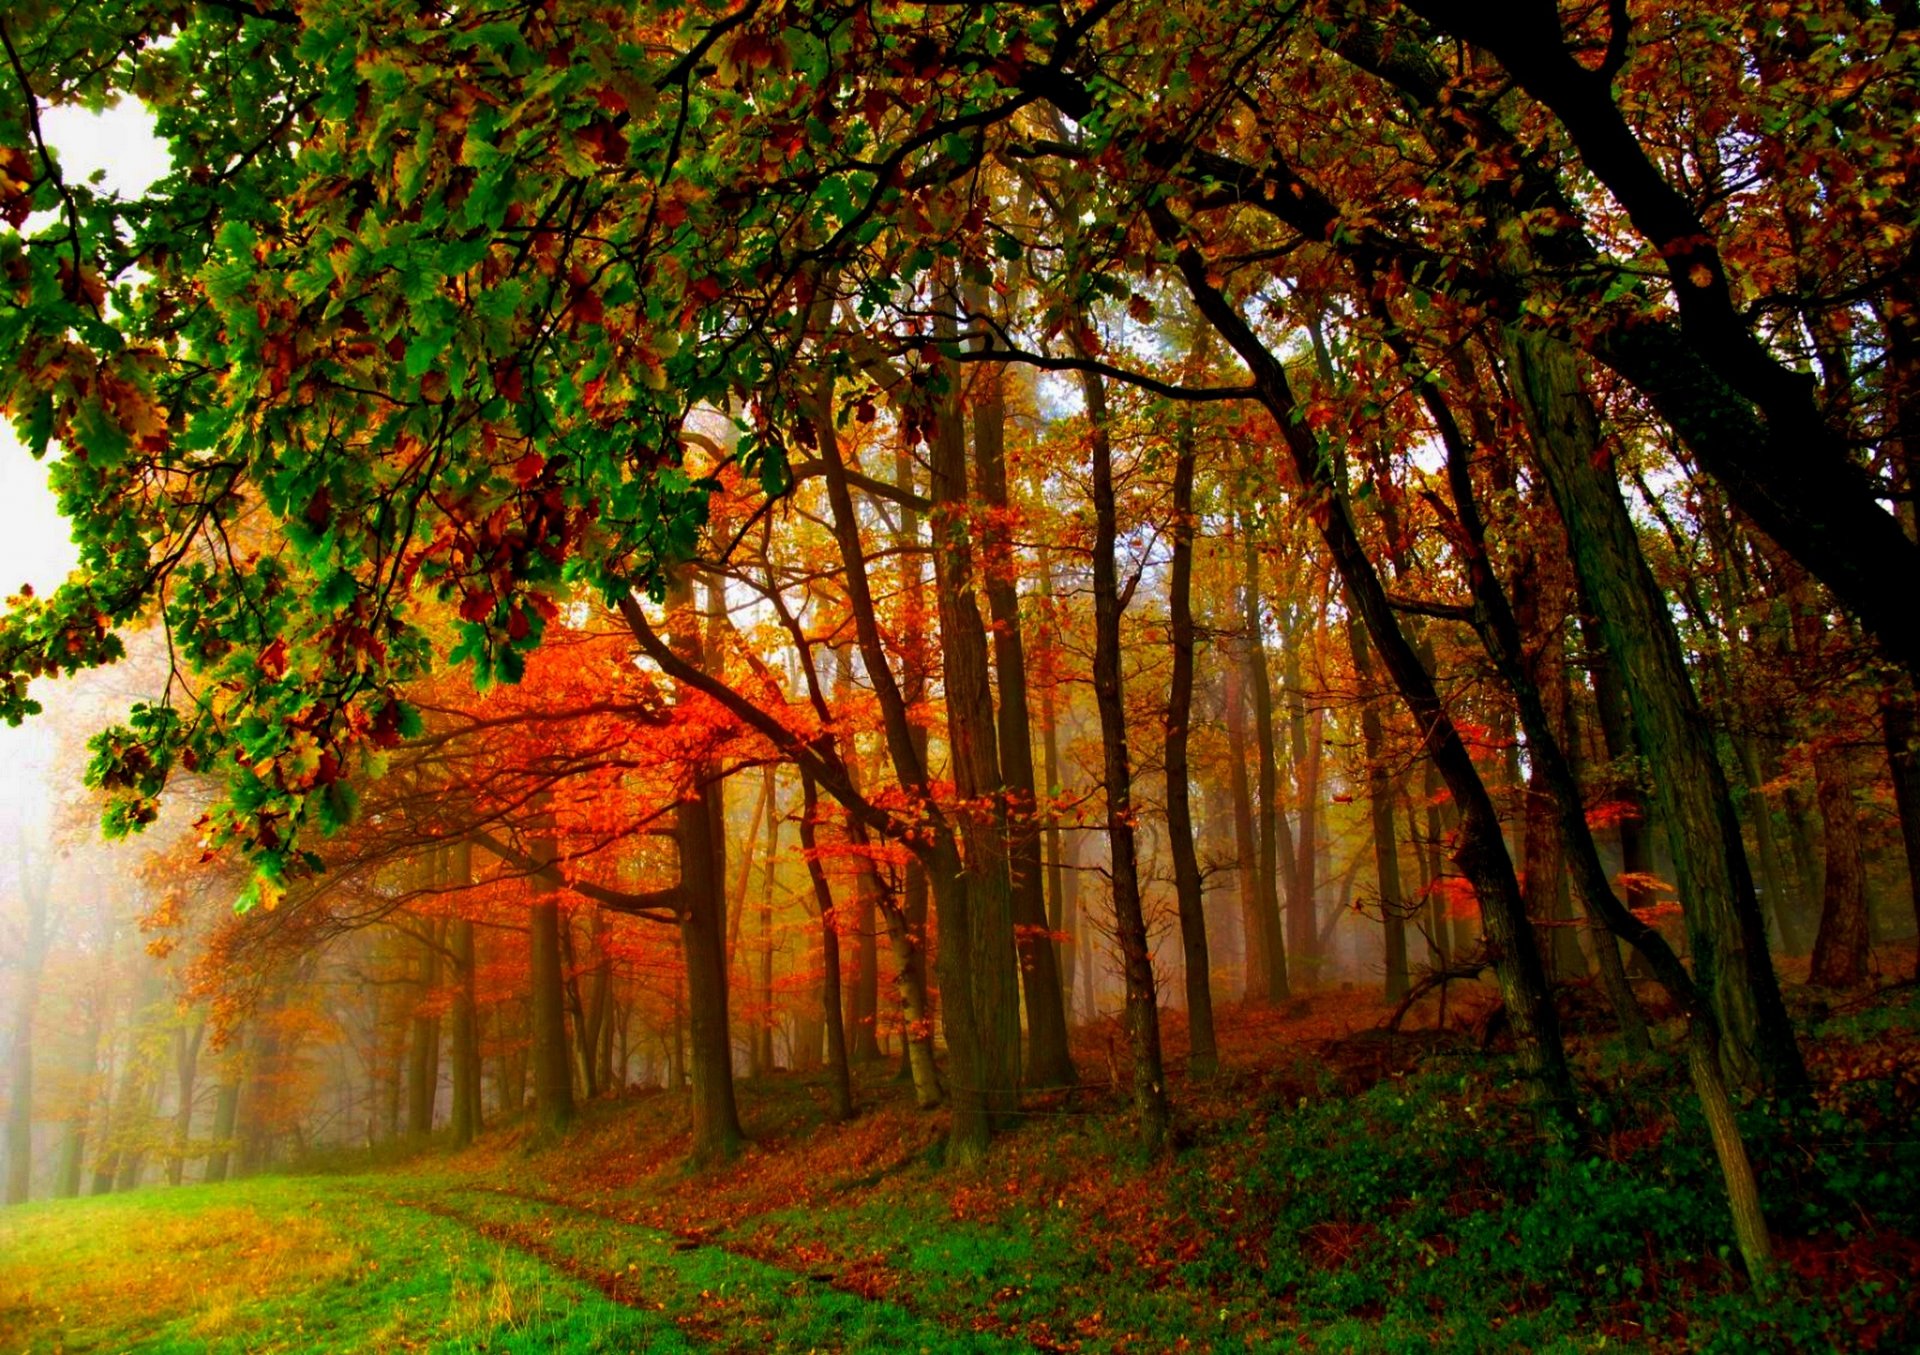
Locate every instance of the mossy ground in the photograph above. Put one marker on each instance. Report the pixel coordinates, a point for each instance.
(1331, 1191)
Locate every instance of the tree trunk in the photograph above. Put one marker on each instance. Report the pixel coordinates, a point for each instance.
(992, 970)
(1840, 948)
(1142, 1003)
(1726, 932)
(839, 1076)
(1059, 919)
(1255, 929)
(938, 856)
(716, 1121)
(1480, 852)
(1306, 727)
(423, 1061)
(186, 1066)
(226, 1108)
(762, 1059)
(1901, 729)
(1380, 798)
(1273, 824)
(1048, 1063)
(551, 1059)
(1202, 1057)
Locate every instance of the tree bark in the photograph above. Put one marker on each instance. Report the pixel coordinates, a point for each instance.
(762, 1055)
(1273, 824)
(1840, 947)
(423, 1062)
(1380, 799)
(1900, 725)
(1480, 852)
(992, 969)
(552, 1061)
(1202, 1056)
(186, 1066)
(465, 1017)
(1048, 1063)
(839, 1076)
(716, 1120)
(1726, 932)
(1142, 1004)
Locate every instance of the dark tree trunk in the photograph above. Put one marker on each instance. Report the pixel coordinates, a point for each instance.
(762, 1057)
(1840, 947)
(1480, 852)
(548, 1053)
(423, 1061)
(1306, 727)
(1901, 728)
(1142, 1004)
(465, 1042)
(1726, 932)
(1255, 926)
(1203, 1057)
(1273, 824)
(226, 1109)
(1048, 1063)
(1380, 798)
(1060, 919)
(839, 1076)
(988, 940)
(716, 1121)
(937, 868)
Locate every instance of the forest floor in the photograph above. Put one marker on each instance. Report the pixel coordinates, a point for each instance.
(1334, 1188)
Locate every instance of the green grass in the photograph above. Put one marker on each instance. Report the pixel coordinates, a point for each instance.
(1305, 1210)
(288, 1264)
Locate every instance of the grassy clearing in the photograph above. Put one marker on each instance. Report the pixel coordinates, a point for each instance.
(1331, 1194)
(288, 1264)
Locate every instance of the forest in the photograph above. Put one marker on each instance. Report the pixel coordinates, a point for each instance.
(960, 675)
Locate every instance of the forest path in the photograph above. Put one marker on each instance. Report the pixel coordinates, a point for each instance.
(719, 1297)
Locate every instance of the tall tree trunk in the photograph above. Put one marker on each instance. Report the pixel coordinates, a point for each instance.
(1480, 852)
(1203, 1056)
(762, 1056)
(1142, 1004)
(1380, 799)
(839, 1076)
(1060, 917)
(938, 856)
(973, 743)
(1306, 726)
(1256, 928)
(423, 1061)
(226, 1109)
(1621, 741)
(1273, 824)
(1900, 725)
(1048, 1063)
(1726, 932)
(716, 1120)
(1840, 948)
(1553, 787)
(186, 1067)
(551, 1059)
(465, 1017)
